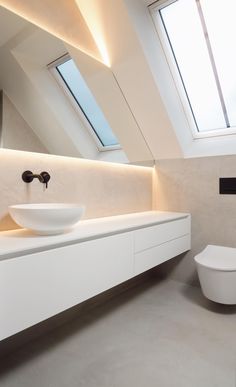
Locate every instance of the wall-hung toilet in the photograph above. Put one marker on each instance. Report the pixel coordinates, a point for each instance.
(216, 266)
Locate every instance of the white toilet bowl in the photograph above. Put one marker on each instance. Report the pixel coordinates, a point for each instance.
(216, 266)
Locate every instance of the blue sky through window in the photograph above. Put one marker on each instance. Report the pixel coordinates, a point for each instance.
(85, 99)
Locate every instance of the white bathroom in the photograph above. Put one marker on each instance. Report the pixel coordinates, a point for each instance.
(117, 193)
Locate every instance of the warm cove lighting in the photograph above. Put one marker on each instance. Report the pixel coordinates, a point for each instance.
(96, 164)
(48, 29)
(103, 50)
(91, 13)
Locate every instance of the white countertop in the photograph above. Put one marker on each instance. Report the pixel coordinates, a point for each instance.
(21, 242)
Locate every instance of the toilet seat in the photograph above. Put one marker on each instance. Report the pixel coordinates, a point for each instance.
(217, 258)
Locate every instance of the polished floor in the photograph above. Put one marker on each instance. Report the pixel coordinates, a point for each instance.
(159, 334)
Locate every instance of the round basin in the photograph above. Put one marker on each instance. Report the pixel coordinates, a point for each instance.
(47, 218)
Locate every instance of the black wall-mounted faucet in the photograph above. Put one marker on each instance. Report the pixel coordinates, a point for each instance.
(29, 176)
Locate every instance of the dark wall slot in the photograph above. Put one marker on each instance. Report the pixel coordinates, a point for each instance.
(227, 185)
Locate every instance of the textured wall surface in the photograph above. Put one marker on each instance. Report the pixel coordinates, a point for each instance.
(16, 133)
(105, 188)
(192, 185)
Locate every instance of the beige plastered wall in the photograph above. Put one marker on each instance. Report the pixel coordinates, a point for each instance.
(15, 131)
(104, 188)
(192, 185)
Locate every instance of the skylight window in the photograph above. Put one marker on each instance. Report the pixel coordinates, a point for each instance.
(86, 102)
(199, 40)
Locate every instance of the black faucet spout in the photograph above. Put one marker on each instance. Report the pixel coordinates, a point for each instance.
(36, 176)
(29, 176)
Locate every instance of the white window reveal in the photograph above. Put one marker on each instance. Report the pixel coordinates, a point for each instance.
(85, 102)
(198, 38)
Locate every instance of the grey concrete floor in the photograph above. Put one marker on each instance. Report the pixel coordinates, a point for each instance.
(161, 333)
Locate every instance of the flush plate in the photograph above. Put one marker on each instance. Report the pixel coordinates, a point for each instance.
(227, 185)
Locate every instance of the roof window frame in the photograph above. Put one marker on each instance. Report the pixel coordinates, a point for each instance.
(162, 35)
(52, 67)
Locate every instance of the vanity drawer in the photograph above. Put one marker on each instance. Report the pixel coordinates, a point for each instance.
(37, 286)
(148, 237)
(147, 259)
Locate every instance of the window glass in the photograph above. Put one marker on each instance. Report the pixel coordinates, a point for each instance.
(86, 101)
(222, 31)
(200, 35)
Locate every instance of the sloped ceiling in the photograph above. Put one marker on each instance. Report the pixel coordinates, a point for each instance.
(104, 30)
(23, 67)
(61, 18)
(10, 25)
(110, 23)
(37, 97)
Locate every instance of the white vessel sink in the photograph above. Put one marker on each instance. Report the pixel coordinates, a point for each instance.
(47, 218)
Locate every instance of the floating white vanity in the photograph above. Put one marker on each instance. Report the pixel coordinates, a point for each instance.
(41, 276)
